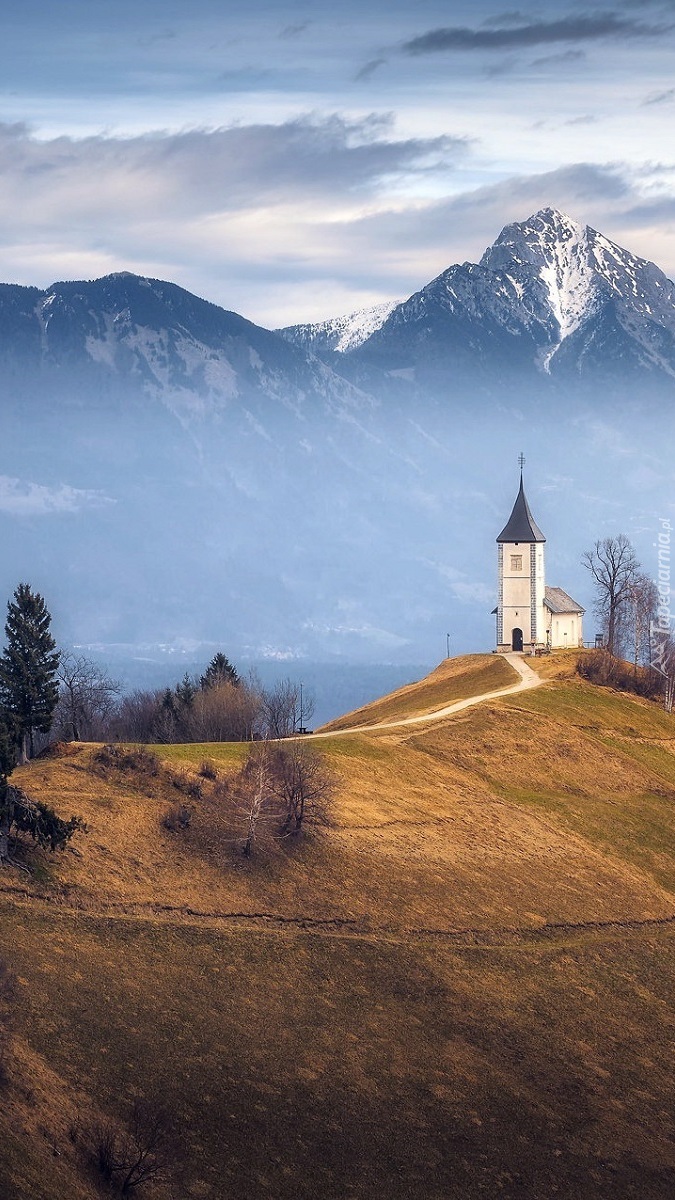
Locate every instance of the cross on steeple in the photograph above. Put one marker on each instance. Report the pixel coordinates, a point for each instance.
(521, 461)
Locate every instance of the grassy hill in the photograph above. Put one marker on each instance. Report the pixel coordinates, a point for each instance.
(454, 679)
(462, 988)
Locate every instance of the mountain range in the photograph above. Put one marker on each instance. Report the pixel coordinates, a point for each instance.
(176, 476)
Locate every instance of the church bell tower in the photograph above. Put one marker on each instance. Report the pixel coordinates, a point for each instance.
(520, 558)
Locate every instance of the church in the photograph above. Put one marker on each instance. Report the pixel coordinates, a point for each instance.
(530, 615)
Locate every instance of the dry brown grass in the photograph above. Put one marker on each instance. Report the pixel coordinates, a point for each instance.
(454, 679)
(463, 987)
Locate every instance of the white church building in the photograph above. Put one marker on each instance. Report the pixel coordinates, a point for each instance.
(530, 615)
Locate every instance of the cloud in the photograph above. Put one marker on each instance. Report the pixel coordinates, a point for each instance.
(559, 60)
(666, 97)
(146, 42)
(532, 33)
(21, 498)
(479, 213)
(218, 211)
(409, 246)
(291, 31)
(297, 221)
(514, 17)
(369, 68)
(206, 171)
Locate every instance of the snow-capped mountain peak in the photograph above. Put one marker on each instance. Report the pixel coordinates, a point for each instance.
(558, 248)
(550, 295)
(582, 272)
(340, 334)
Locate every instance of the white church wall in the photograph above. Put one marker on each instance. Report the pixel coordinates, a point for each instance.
(516, 592)
(566, 630)
(538, 592)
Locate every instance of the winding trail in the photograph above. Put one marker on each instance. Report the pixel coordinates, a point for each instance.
(528, 679)
(347, 928)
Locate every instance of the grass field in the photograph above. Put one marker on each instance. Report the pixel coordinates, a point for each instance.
(461, 988)
(454, 679)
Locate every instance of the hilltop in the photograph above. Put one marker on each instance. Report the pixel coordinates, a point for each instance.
(462, 987)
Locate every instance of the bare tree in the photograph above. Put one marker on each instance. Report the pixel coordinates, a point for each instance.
(86, 698)
(287, 709)
(136, 716)
(303, 784)
(614, 567)
(224, 712)
(137, 1155)
(280, 786)
(640, 614)
(255, 797)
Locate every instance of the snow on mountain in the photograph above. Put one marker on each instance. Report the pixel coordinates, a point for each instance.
(340, 334)
(550, 296)
(584, 273)
(557, 248)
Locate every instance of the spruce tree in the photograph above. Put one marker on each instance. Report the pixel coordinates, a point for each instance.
(218, 672)
(28, 686)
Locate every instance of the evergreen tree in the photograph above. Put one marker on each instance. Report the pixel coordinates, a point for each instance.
(29, 689)
(218, 672)
(186, 691)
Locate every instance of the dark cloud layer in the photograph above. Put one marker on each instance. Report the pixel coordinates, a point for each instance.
(533, 33)
(221, 169)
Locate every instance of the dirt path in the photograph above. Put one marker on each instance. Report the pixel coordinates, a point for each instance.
(360, 929)
(528, 679)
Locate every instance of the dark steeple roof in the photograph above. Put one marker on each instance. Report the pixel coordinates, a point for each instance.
(521, 525)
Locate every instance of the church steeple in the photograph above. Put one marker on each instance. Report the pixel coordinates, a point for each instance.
(529, 614)
(520, 565)
(521, 525)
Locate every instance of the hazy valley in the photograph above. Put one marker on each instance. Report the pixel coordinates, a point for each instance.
(183, 480)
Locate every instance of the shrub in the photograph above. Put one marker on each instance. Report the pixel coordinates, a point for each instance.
(129, 758)
(186, 783)
(208, 769)
(138, 1154)
(177, 817)
(603, 669)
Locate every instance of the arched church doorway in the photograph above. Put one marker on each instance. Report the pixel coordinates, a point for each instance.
(517, 639)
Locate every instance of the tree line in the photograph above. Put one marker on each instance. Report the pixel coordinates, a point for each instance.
(217, 706)
(46, 693)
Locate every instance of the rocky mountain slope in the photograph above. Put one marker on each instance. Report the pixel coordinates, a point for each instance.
(127, 333)
(549, 298)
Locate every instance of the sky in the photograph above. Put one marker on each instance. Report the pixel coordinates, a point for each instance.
(295, 161)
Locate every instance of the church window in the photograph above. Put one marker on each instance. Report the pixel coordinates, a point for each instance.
(516, 562)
